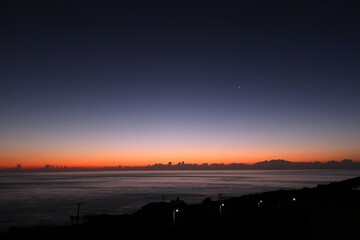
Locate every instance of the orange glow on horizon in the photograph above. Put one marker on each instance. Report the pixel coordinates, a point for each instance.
(142, 158)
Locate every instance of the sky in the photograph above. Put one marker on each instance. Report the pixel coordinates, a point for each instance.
(102, 83)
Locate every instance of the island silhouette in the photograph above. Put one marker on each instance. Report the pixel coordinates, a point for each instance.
(274, 164)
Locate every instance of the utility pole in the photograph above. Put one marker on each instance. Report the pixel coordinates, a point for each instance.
(78, 213)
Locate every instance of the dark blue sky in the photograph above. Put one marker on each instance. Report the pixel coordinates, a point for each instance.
(136, 79)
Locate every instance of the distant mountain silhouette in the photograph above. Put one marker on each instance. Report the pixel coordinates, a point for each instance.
(264, 165)
(274, 164)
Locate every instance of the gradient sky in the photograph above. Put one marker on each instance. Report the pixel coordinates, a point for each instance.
(95, 83)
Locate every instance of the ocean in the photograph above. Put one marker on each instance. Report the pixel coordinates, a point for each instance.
(36, 198)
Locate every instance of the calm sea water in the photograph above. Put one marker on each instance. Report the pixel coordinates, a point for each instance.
(50, 198)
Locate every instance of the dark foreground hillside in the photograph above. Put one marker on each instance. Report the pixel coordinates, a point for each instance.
(324, 212)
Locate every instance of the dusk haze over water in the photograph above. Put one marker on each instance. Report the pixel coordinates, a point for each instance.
(179, 119)
(133, 83)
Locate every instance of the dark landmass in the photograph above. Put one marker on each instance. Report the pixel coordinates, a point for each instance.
(325, 212)
(275, 164)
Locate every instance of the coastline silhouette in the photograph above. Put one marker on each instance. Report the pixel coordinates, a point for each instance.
(326, 211)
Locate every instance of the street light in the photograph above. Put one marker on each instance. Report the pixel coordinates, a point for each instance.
(174, 215)
(220, 208)
(259, 203)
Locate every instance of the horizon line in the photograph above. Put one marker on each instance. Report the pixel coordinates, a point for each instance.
(181, 163)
